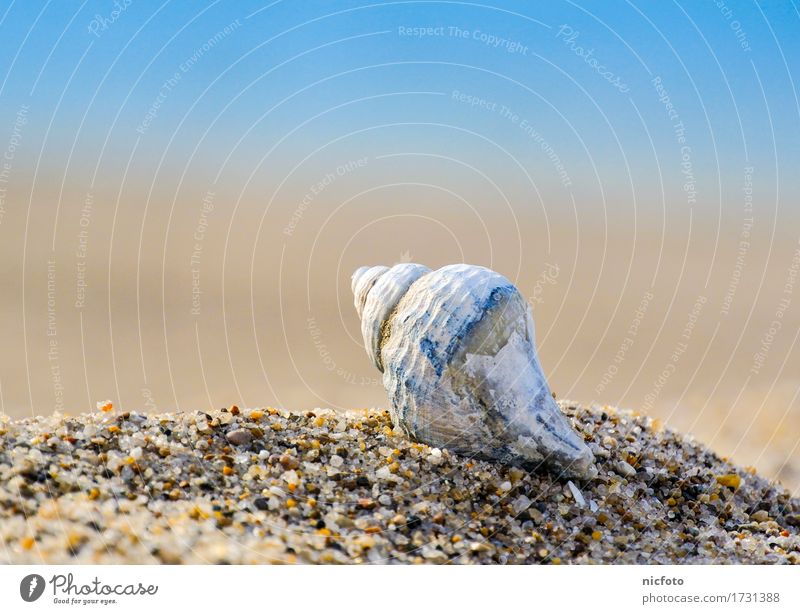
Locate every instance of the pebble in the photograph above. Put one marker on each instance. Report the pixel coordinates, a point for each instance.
(521, 503)
(730, 479)
(336, 461)
(287, 461)
(625, 469)
(576, 494)
(239, 437)
(180, 488)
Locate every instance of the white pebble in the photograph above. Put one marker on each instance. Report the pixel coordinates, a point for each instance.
(520, 504)
(576, 494)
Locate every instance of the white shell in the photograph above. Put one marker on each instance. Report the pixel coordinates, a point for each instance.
(376, 295)
(456, 347)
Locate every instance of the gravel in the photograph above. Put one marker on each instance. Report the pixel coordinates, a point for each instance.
(273, 486)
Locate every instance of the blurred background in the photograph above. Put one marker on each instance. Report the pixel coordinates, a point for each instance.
(186, 188)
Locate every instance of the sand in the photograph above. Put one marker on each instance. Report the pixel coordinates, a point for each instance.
(274, 486)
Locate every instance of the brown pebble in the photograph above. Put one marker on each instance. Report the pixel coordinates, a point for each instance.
(398, 519)
(289, 462)
(366, 504)
(239, 437)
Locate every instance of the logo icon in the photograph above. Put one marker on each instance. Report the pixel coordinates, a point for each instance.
(31, 587)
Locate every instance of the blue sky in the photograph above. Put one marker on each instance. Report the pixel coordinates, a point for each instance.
(305, 72)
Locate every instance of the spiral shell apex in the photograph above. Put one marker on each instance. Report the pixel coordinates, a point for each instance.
(457, 350)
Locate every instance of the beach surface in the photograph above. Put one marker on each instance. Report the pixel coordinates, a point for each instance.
(273, 486)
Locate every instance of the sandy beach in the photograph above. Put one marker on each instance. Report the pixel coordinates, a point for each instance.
(274, 486)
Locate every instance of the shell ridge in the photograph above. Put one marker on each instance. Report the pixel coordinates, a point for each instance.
(438, 331)
(381, 299)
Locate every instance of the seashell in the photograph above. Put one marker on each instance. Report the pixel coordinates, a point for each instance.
(457, 352)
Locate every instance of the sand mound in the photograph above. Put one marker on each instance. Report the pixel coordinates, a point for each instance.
(255, 486)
